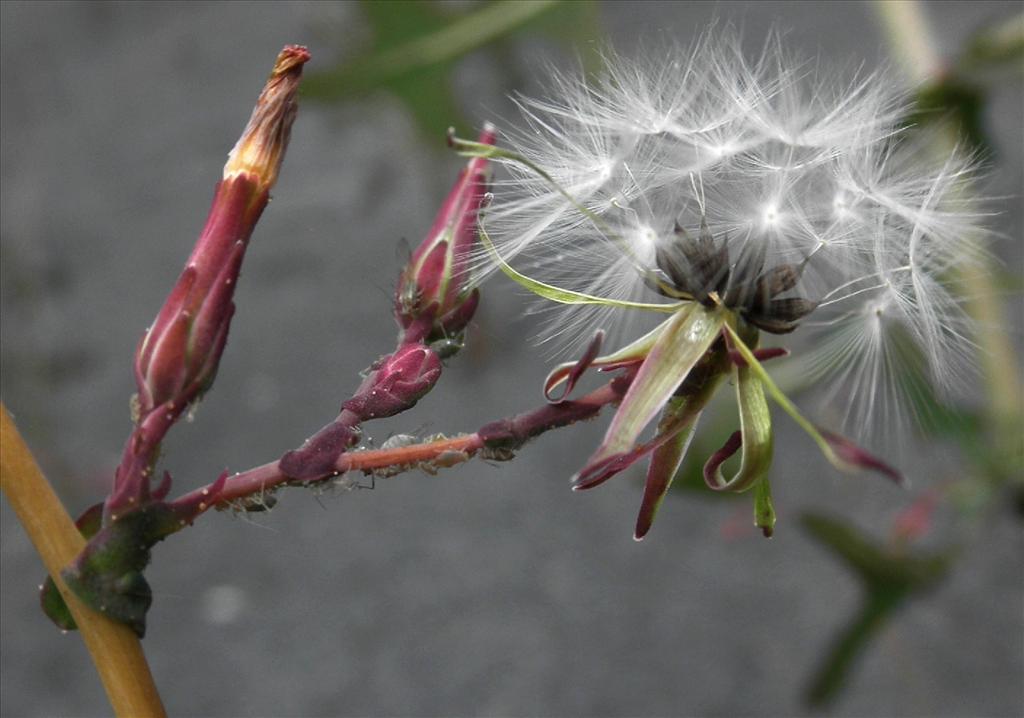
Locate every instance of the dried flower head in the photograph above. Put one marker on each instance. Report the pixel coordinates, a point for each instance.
(748, 196)
(769, 182)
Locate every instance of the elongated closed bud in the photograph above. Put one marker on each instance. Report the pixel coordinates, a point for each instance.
(433, 302)
(177, 358)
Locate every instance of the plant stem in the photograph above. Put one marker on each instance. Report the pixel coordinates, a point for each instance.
(910, 38)
(510, 433)
(114, 649)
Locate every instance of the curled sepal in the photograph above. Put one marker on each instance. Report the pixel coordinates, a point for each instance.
(570, 372)
(52, 602)
(632, 354)
(754, 438)
(764, 511)
(685, 339)
(599, 472)
(841, 452)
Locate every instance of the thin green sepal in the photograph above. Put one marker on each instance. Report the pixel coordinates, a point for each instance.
(764, 511)
(567, 296)
(756, 432)
(782, 400)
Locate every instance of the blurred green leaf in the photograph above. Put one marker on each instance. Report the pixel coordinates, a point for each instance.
(959, 95)
(998, 45)
(953, 99)
(992, 460)
(848, 644)
(417, 45)
(880, 567)
(889, 576)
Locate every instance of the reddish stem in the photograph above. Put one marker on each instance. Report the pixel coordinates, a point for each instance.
(504, 435)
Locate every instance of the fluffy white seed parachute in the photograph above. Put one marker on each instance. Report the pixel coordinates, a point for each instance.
(782, 161)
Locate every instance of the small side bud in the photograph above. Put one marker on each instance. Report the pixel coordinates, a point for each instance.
(397, 383)
(433, 301)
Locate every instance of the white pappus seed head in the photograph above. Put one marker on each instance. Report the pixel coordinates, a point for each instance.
(765, 162)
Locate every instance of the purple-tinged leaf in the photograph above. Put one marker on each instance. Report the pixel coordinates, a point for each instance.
(686, 337)
(631, 355)
(858, 457)
(665, 462)
(712, 466)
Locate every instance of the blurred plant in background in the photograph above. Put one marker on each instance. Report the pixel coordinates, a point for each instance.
(419, 50)
(417, 45)
(414, 54)
(950, 103)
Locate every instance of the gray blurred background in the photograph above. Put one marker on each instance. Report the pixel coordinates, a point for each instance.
(485, 590)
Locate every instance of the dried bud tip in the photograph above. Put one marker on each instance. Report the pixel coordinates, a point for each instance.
(291, 58)
(261, 147)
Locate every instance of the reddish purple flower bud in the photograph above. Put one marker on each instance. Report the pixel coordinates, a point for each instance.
(178, 356)
(433, 300)
(396, 383)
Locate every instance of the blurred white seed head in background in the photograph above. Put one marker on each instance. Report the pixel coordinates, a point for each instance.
(786, 163)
